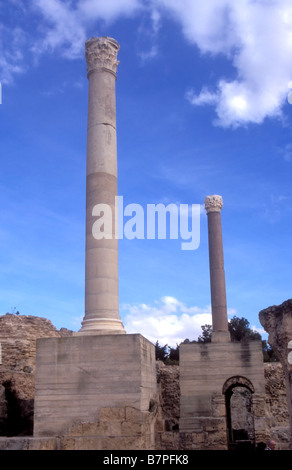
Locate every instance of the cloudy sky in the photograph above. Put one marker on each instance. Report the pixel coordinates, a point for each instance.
(202, 108)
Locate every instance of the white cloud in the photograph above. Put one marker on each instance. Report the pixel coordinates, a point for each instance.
(259, 330)
(286, 152)
(62, 28)
(275, 207)
(12, 42)
(168, 320)
(146, 55)
(205, 97)
(256, 35)
(65, 25)
(156, 21)
(108, 10)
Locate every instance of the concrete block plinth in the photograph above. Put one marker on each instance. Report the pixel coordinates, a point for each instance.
(78, 376)
(210, 373)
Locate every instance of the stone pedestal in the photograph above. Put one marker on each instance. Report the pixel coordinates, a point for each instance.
(78, 376)
(208, 374)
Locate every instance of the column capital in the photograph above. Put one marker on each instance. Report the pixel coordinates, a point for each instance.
(101, 53)
(213, 203)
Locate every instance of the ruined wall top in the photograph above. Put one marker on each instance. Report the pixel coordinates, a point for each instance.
(277, 321)
(213, 203)
(102, 53)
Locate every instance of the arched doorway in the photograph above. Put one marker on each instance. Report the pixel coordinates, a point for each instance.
(238, 393)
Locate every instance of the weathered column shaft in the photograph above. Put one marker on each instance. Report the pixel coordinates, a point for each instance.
(213, 206)
(101, 258)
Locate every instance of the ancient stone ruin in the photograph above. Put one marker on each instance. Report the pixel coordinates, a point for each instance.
(101, 388)
(277, 321)
(113, 428)
(18, 337)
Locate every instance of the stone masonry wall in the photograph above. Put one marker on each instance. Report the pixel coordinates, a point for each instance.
(277, 416)
(18, 334)
(277, 321)
(18, 341)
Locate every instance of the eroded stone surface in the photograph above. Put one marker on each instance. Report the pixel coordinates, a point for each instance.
(18, 335)
(277, 321)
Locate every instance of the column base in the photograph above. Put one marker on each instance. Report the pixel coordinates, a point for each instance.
(101, 326)
(102, 332)
(220, 337)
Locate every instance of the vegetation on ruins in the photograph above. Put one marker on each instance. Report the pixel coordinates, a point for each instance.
(239, 330)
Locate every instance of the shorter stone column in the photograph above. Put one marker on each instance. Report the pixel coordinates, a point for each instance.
(213, 206)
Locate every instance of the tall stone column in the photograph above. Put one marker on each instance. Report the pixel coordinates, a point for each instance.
(101, 258)
(213, 206)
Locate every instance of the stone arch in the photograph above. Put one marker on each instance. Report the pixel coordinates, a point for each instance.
(238, 392)
(237, 381)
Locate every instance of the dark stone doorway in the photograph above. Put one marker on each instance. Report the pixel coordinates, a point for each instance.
(16, 414)
(239, 414)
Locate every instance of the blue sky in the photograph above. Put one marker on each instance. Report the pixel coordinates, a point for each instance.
(202, 109)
